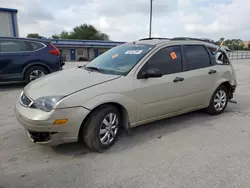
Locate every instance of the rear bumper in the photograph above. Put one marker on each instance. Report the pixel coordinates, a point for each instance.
(62, 62)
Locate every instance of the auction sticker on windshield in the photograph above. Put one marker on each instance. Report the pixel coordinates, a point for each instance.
(136, 52)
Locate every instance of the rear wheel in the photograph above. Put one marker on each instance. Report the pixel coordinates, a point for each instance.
(101, 129)
(34, 72)
(219, 100)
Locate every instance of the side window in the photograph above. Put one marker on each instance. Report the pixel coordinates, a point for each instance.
(212, 50)
(32, 46)
(168, 60)
(196, 57)
(12, 46)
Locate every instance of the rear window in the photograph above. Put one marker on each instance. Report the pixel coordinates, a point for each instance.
(32, 46)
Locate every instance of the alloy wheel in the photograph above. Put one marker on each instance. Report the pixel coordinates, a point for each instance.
(109, 128)
(36, 74)
(220, 100)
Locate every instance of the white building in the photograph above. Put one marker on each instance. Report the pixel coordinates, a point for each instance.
(8, 22)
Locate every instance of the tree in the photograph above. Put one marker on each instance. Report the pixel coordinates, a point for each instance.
(233, 44)
(85, 32)
(55, 37)
(34, 35)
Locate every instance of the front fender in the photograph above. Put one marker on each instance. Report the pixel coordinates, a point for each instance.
(128, 103)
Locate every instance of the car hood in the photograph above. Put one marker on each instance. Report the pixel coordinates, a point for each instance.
(66, 82)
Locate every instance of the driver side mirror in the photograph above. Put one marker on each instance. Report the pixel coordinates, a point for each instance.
(150, 73)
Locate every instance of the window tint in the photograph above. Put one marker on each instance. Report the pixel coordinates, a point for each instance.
(196, 57)
(167, 60)
(12, 46)
(18, 46)
(32, 46)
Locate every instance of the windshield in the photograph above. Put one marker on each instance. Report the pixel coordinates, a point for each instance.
(120, 59)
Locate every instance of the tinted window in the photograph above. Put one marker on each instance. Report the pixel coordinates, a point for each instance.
(19, 46)
(12, 46)
(196, 57)
(167, 60)
(32, 46)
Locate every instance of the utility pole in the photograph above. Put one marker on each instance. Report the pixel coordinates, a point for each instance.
(150, 19)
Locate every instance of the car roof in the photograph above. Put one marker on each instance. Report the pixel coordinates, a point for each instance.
(29, 39)
(180, 41)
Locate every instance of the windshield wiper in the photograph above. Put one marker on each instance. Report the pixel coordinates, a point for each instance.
(94, 68)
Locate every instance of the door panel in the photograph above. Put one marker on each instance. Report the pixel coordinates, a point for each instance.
(12, 64)
(159, 96)
(198, 82)
(198, 64)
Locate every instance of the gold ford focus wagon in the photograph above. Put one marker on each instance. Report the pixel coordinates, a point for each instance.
(129, 85)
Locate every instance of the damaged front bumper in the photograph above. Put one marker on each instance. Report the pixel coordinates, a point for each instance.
(231, 94)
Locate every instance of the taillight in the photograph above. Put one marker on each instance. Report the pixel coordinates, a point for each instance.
(54, 50)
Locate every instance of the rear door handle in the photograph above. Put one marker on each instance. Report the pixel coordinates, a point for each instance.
(212, 71)
(178, 79)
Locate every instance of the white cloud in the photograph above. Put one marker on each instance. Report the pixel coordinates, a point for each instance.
(129, 19)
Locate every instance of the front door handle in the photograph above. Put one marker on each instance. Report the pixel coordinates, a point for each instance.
(212, 71)
(178, 79)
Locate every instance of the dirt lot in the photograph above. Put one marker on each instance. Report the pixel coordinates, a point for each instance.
(193, 150)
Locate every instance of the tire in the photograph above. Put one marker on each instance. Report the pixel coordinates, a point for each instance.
(219, 92)
(35, 71)
(91, 133)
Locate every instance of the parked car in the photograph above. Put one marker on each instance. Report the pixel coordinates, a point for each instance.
(82, 59)
(23, 59)
(127, 86)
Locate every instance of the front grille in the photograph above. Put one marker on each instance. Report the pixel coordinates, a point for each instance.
(26, 101)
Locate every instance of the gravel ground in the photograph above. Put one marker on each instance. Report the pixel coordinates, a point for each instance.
(192, 150)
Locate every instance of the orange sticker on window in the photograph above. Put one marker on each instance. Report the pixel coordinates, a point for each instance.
(114, 56)
(173, 55)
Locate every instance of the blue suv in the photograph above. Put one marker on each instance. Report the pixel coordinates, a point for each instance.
(24, 59)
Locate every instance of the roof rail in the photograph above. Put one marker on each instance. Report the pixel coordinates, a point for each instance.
(189, 38)
(151, 38)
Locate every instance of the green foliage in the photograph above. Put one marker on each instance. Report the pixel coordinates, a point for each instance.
(234, 44)
(34, 35)
(84, 32)
(55, 37)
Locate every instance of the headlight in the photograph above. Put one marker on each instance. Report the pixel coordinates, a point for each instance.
(47, 103)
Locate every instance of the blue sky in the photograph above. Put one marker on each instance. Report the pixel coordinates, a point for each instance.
(125, 20)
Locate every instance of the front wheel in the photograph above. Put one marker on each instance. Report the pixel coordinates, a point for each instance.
(219, 100)
(101, 129)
